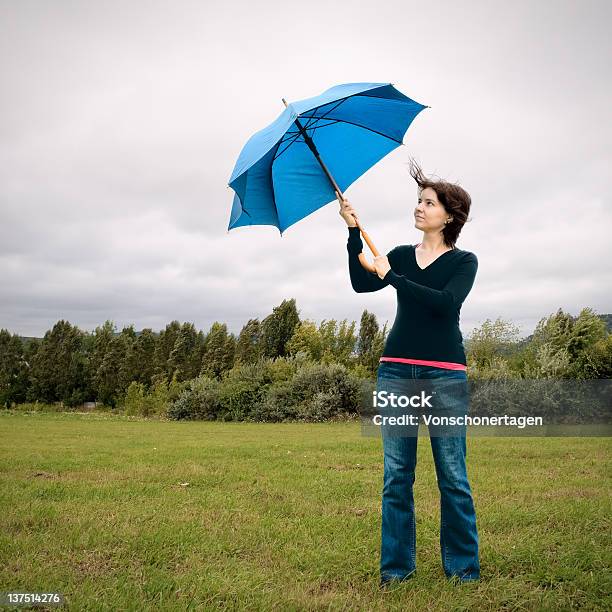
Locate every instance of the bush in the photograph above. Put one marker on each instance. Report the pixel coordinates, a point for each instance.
(598, 359)
(38, 407)
(279, 404)
(163, 394)
(283, 369)
(139, 401)
(497, 368)
(358, 370)
(200, 400)
(238, 399)
(244, 387)
(135, 401)
(321, 406)
(317, 392)
(282, 389)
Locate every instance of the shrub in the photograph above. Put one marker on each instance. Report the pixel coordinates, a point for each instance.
(134, 402)
(281, 389)
(358, 370)
(317, 392)
(496, 368)
(283, 369)
(243, 388)
(199, 400)
(239, 398)
(598, 359)
(38, 407)
(279, 404)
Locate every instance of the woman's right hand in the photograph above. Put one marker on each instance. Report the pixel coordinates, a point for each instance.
(347, 212)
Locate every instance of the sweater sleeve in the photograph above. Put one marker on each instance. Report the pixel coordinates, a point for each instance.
(362, 280)
(443, 302)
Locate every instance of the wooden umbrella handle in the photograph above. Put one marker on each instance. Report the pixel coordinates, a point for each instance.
(362, 258)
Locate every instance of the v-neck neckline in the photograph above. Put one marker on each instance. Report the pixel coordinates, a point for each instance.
(414, 248)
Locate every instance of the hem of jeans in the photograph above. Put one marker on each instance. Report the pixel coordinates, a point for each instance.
(389, 577)
(462, 578)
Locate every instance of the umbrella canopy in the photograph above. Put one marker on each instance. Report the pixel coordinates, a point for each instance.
(284, 172)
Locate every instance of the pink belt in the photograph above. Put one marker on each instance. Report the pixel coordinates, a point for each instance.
(448, 365)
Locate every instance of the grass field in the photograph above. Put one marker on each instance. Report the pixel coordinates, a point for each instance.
(123, 513)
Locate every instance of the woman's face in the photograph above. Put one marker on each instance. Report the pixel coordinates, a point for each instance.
(429, 214)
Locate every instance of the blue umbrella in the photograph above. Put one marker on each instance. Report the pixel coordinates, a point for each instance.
(317, 146)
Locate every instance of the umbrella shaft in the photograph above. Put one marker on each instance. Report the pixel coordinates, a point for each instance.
(311, 145)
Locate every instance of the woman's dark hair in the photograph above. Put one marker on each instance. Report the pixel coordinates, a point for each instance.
(455, 199)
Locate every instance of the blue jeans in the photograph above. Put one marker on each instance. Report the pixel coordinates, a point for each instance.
(458, 532)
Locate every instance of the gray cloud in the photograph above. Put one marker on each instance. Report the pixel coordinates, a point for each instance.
(120, 124)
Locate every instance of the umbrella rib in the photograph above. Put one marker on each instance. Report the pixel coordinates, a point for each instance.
(357, 95)
(361, 126)
(324, 115)
(276, 156)
(314, 127)
(315, 120)
(310, 126)
(297, 137)
(330, 110)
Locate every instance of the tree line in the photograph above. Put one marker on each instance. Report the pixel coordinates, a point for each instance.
(73, 366)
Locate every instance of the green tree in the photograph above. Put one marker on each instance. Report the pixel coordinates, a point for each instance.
(588, 330)
(491, 343)
(563, 345)
(306, 339)
(278, 327)
(180, 362)
(134, 401)
(101, 338)
(118, 368)
(219, 351)
(338, 341)
(328, 343)
(13, 369)
(163, 349)
(370, 342)
(248, 345)
(129, 368)
(59, 367)
(598, 358)
(145, 351)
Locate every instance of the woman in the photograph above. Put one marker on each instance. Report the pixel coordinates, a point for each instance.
(432, 280)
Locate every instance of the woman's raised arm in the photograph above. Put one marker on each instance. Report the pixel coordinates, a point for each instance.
(363, 281)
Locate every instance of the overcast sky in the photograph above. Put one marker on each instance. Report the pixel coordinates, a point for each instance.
(120, 123)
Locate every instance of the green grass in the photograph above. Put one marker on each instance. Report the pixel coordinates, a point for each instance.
(285, 516)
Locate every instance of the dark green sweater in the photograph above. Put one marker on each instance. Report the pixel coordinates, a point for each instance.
(428, 300)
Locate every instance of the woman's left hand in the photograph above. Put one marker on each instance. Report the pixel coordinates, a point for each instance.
(381, 263)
